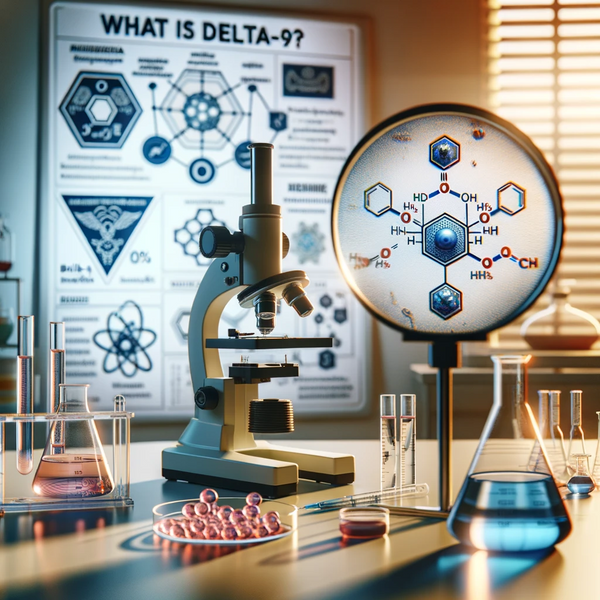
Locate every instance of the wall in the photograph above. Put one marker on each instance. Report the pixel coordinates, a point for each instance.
(419, 52)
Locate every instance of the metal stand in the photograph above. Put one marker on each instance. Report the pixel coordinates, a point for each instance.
(444, 355)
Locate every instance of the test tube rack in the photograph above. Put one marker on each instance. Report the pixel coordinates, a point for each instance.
(119, 496)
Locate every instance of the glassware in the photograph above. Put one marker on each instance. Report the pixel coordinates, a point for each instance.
(581, 482)
(554, 440)
(389, 455)
(73, 464)
(408, 439)
(6, 248)
(365, 522)
(25, 394)
(57, 376)
(7, 324)
(169, 514)
(596, 470)
(576, 435)
(561, 326)
(509, 501)
(366, 498)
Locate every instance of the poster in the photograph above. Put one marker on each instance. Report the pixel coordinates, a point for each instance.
(148, 118)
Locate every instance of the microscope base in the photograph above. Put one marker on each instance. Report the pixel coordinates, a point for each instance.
(230, 470)
(272, 471)
(326, 467)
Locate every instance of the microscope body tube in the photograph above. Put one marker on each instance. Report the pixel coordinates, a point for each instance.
(261, 221)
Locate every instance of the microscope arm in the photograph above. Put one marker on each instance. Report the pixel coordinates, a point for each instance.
(217, 287)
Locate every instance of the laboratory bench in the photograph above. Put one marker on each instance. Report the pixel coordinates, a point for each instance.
(113, 554)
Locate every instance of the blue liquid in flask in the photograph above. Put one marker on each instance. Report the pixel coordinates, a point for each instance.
(509, 512)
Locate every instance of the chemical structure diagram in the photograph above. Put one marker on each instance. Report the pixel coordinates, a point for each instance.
(446, 238)
(188, 235)
(125, 341)
(308, 243)
(100, 110)
(204, 115)
(330, 315)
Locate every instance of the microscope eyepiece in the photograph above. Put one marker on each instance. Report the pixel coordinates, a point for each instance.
(265, 308)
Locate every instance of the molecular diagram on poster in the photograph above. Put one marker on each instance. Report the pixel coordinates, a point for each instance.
(126, 341)
(188, 235)
(207, 123)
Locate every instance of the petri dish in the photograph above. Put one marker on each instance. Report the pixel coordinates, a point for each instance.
(364, 522)
(288, 515)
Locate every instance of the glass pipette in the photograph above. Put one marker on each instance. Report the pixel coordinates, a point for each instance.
(420, 489)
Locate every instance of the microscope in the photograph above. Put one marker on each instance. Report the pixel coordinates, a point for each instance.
(218, 448)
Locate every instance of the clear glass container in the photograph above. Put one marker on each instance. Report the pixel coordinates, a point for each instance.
(581, 482)
(387, 439)
(6, 248)
(561, 326)
(7, 324)
(509, 501)
(364, 522)
(554, 439)
(169, 514)
(73, 464)
(596, 469)
(576, 435)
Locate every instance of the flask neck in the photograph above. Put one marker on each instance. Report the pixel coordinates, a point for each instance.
(73, 398)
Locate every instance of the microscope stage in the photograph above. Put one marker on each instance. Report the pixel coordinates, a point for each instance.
(268, 343)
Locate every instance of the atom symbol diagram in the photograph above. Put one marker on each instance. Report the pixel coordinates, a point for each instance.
(125, 341)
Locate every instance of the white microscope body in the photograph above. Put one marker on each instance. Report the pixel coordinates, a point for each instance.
(218, 447)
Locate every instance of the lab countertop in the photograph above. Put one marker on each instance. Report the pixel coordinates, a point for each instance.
(113, 554)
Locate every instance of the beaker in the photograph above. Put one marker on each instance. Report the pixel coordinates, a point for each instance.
(73, 464)
(509, 501)
(581, 482)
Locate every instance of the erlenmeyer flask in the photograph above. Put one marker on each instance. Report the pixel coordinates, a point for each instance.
(509, 501)
(581, 483)
(73, 464)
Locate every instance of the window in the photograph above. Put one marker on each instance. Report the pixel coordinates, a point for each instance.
(544, 76)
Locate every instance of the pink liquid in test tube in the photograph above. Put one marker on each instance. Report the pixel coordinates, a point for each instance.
(25, 395)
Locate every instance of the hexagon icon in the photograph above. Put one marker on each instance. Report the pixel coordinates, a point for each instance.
(511, 198)
(182, 324)
(378, 199)
(445, 239)
(202, 110)
(445, 301)
(100, 110)
(444, 152)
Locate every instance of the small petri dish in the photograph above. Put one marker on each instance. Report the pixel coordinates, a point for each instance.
(364, 522)
(170, 513)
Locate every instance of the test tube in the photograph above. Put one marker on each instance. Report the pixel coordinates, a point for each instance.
(57, 377)
(555, 443)
(576, 437)
(25, 394)
(407, 443)
(389, 455)
(543, 416)
(120, 450)
(596, 471)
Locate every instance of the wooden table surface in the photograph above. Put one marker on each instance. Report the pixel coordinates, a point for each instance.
(113, 554)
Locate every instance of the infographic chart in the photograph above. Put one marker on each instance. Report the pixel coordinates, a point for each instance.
(149, 116)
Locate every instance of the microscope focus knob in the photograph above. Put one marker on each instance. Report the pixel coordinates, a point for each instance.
(217, 241)
(206, 398)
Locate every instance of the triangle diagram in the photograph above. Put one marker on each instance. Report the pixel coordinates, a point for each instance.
(107, 222)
